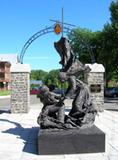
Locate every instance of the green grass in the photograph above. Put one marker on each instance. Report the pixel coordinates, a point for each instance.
(4, 93)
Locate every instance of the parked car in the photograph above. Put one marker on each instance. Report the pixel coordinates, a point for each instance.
(111, 92)
(35, 90)
(59, 91)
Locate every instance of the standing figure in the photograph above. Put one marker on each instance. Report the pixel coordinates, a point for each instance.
(83, 110)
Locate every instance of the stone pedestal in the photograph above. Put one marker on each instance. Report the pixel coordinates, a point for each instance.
(88, 140)
(20, 88)
(95, 80)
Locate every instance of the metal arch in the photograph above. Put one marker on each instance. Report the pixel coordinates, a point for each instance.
(38, 34)
(31, 39)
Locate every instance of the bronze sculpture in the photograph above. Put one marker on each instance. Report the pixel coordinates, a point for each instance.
(82, 113)
(52, 115)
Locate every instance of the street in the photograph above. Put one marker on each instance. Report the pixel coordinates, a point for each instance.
(110, 103)
(5, 102)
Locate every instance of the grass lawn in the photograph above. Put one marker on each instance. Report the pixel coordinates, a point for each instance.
(4, 93)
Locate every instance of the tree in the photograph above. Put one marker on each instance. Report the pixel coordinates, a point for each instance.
(38, 75)
(114, 14)
(53, 78)
(102, 44)
(109, 42)
(107, 55)
(85, 44)
(114, 25)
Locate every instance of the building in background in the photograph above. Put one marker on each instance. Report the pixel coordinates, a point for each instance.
(6, 60)
(4, 75)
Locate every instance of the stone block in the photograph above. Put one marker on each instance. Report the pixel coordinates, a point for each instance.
(73, 141)
(20, 88)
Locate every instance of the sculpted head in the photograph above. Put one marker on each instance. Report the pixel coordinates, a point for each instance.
(44, 89)
(63, 76)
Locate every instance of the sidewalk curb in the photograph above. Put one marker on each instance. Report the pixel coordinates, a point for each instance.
(3, 97)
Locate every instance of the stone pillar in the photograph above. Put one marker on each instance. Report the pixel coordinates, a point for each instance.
(20, 88)
(95, 80)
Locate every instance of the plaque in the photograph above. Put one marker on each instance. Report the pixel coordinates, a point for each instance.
(95, 88)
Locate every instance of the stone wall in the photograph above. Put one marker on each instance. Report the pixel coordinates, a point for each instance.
(20, 88)
(95, 80)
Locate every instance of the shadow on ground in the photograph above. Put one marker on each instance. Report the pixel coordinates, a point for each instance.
(4, 111)
(115, 110)
(27, 135)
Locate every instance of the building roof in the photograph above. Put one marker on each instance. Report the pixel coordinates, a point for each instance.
(96, 67)
(12, 58)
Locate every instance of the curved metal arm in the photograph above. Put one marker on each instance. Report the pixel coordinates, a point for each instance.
(37, 35)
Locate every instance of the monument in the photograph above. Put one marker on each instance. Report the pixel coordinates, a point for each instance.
(74, 132)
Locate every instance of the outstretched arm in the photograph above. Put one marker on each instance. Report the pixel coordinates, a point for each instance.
(72, 87)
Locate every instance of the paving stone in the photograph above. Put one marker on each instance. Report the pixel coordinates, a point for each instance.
(110, 157)
(18, 134)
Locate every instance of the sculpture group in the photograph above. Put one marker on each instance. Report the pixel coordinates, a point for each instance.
(82, 113)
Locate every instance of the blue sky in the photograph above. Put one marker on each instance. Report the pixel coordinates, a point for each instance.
(20, 19)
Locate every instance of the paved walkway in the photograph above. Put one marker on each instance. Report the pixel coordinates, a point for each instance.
(4, 97)
(18, 137)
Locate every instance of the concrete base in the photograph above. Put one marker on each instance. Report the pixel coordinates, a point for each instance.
(86, 140)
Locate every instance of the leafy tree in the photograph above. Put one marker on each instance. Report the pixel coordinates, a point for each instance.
(38, 75)
(114, 14)
(114, 26)
(53, 78)
(49, 78)
(109, 43)
(85, 44)
(107, 55)
(102, 44)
